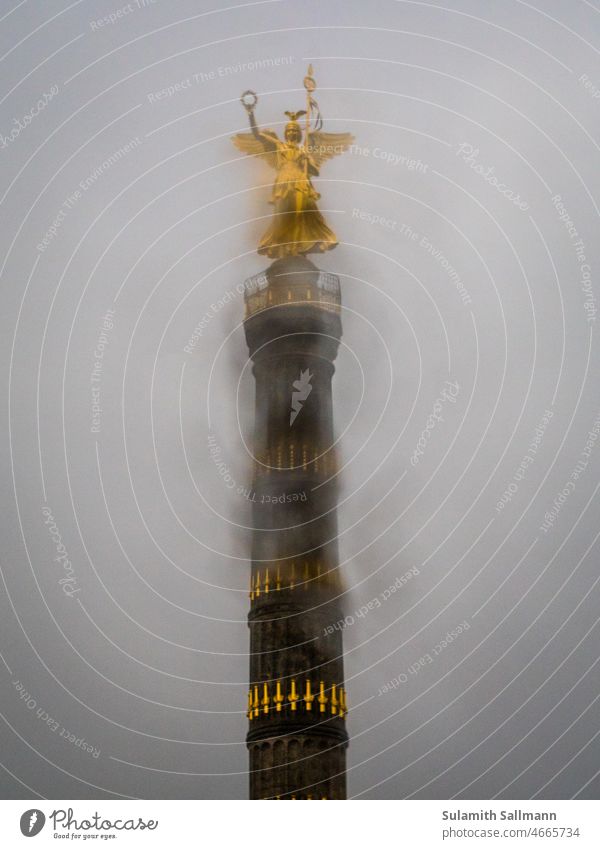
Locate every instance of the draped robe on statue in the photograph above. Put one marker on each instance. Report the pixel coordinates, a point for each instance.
(297, 226)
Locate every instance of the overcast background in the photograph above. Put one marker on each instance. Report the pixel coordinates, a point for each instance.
(147, 660)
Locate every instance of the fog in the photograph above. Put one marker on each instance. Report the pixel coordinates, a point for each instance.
(465, 392)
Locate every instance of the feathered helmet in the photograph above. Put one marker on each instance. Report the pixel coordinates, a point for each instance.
(293, 123)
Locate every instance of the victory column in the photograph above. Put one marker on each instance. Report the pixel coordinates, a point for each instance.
(297, 703)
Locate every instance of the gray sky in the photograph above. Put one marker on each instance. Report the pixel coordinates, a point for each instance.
(467, 214)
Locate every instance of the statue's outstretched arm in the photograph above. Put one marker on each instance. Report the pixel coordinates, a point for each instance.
(253, 125)
(268, 139)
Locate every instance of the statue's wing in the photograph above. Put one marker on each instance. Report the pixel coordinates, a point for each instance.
(323, 146)
(265, 146)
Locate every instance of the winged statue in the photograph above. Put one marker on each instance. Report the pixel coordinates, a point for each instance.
(297, 226)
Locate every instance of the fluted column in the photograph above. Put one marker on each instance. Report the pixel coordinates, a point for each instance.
(297, 701)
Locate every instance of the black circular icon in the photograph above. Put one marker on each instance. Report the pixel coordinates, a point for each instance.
(32, 822)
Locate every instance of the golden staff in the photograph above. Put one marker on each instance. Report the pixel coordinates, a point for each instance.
(310, 85)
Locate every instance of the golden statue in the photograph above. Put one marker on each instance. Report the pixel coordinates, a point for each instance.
(297, 226)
